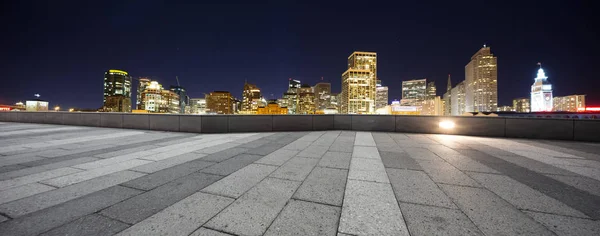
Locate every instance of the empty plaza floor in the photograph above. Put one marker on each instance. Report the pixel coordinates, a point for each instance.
(68, 180)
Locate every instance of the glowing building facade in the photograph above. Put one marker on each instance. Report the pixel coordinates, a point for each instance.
(291, 96)
(458, 99)
(481, 78)
(571, 103)
(143, 83)
(414, 92)
(448, 98)
(541, 93)
(359, 84)
(250, 98)
(219, 102)
(381, 95)
(272, 108)
(521, 105)
(197, 105)
(322, 95)
(117, 91)
(306, 100)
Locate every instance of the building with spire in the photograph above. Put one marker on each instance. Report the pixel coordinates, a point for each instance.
(541, 92)
(358, 84)
(481, 82)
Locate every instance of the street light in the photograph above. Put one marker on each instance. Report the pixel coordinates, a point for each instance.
(56, 108)
(71, 109)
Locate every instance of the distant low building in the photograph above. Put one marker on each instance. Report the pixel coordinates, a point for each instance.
(571, 103)
(505, 108)
(36, 105)
(219, 102)
(272, 108)
(521, 105)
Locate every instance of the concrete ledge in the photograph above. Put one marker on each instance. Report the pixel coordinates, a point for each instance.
(586, 130)
(190, 123)
(71, 118)
(374, 123)
(539, 128)
(250, 123)
(164, 122)
(4, 116)
(90, 119)
(54, 118)
(111, 120)
(342, 122)
(215, 124)
(292, 122)
(476, 126)
(24, 117)
(418, 124)
(136, 121)
(13, 116)
(323, 122)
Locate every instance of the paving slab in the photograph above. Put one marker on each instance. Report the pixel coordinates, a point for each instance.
(416, 187)
(208, 232)
(367, 170)
(231, 165)
(47, 219)
(442, 172)
(295, 169)
(298, 145)
(339, 160)
(252, 213)
(90, 225)
(313, 151)
(11, 183)
(146, 204)
(224, 154)
(278, 158)
(54, 197)
(430, 220)
(161, 177)
(41, 168)
(341, 147)
(371, 209)
(421, 153)
(323, 185)
(365, 152)
(23, 191)
(491, 214)
(181, 218)
(239, 182)
(265, 149)
(584, 183)
(306, 218)
(93, 173)
(399, 160)
(564, 225)
(364, 139)
(167, 163)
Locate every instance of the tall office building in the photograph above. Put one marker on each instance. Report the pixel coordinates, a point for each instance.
(322, 95)
(306, 100)
(250, 98)
(183, 98)
(358, 84)
(541, 92)
(433, 107)
(170, 103)
(291, 95)
(117, 91)
(143, 83)
(151, 99)
(414, 92)
(521, 105)
(219, 102)
(448, 98)
(571, 103)
(458, 99)
(197, 105)
(481, 78)
(431, 91)
(381, 95)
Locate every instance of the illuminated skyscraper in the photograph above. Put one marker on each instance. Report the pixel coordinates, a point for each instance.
(151, 98)
(458, 100)
(381, 95)
(183, 98)
(322, 95)
(306, 100)
(414, 92)
(431, 91)
(219, 102)
(571, 103)
(143, 83)
(198, 105)
(521, 105)
(541, 92)
(481, 78)
(358, 84)
(170, 102)
(448, 98)
(117, 91)
(250, 98)
(291, 96)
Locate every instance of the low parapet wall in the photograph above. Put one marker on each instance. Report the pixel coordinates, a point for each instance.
(539, 128)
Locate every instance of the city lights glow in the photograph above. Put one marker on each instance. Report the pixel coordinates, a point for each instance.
(447, 124)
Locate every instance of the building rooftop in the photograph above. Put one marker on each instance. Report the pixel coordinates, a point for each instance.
(73, 180)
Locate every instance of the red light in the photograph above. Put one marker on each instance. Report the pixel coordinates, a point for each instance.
(592, 108)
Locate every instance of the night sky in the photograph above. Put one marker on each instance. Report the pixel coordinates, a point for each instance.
(60, 49)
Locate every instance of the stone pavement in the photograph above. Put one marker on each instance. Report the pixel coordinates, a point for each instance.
(65, 180)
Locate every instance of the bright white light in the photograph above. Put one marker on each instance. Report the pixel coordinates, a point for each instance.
(447, 124)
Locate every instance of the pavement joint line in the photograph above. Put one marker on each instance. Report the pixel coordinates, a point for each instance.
(427, 205)
(143, 190)
(576, 217)
(224, 232)
(5, 215)
(304, 200)
(282, 179)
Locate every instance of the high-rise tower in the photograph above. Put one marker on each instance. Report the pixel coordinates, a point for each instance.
(117, 91)
(541, 92)
(250, 98)
(358, 84)
(481, 82)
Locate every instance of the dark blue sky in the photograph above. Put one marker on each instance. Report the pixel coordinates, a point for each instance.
(60, 49)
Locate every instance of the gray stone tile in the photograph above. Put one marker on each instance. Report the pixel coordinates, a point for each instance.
(462, 160)
(323, 185)
(416, 187)
(339, 160)
(167, 175)
(365, 152)
(10, 168)
(534, 165)
(51, 198)
(306, 218)
(208, 232)
(146, 204)
(22, 192)
(47, 167)
(11, 183)
(341, 147)
(255, 143)
(564, 225)
(584, 183)
(167, 163)
(399, 160)
(239, 182)
(78, 177)
(429, 220)
(364, 139)
(442, 172)
(2, 219)
(231, 165)
(367, 170)
(225, 154)
(492, 215)
(295, 169)
(49, 218)
(278, 157)
(390, 148)
(91, 225)
(522, 196)
(252, 213)
(421, 154)
(298, 145)
(265, 149)
(182, 218)
(313, 151)
(371, 209)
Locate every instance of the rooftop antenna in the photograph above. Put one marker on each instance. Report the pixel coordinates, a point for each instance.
(177, 78)
(540, 64)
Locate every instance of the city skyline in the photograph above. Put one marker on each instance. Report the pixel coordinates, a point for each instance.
(290, 50)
